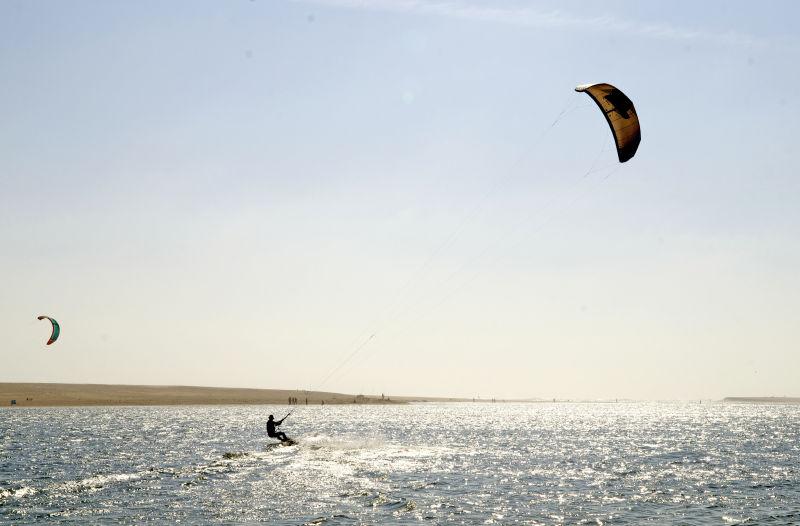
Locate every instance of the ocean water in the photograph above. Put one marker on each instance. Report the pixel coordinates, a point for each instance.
(562, 463)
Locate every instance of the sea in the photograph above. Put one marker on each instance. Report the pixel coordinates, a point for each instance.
(482, 463)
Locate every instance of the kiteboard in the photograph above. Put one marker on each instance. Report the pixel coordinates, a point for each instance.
(282, 443)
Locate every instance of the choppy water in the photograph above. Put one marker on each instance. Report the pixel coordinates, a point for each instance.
(455, 464)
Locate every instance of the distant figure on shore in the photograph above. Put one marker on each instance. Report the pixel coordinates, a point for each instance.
(271, 423)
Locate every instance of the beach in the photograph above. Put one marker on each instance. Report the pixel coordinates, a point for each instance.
(762, 399)
(57, 394)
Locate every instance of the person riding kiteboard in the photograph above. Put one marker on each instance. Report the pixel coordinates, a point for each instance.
(272, 423)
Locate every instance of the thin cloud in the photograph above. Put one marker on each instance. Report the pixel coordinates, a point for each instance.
(529, 17)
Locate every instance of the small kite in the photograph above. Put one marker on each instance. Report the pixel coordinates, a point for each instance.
(620, 115)
(56, 328)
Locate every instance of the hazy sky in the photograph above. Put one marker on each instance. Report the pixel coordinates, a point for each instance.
(242, 193)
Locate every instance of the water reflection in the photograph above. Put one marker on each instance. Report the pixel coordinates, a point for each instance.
(457, 463)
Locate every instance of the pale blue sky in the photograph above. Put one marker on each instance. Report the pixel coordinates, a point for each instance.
(241, 193)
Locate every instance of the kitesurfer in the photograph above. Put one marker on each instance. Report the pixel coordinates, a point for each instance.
(271, 423)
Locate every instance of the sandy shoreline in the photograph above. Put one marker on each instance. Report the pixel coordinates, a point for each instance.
(762, 399)
(47, 394)
(56, 394)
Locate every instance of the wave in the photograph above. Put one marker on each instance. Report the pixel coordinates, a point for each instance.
(17, 493)
(339, 442)
(99, 481)
(92, 483)
(230, 455)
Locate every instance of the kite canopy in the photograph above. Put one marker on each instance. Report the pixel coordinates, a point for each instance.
(56, 328)
(620, 115)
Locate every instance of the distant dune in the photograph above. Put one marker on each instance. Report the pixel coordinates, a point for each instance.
(35, 394)
(44, 394)
(762, 399)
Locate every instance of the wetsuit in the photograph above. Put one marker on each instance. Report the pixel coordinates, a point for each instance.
(276, 434)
